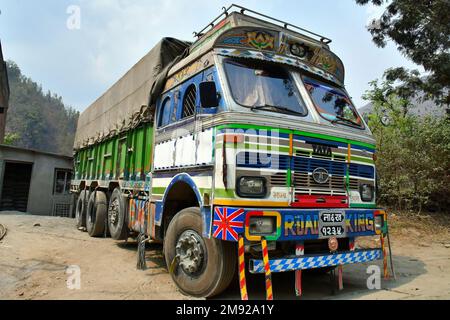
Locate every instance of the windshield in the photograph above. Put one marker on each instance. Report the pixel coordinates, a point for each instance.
(332, 103)
(260, 85)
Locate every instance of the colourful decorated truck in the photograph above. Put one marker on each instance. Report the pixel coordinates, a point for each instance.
(240, 152)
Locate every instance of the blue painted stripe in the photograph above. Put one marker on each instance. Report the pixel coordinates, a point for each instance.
(319, 261)
(308, 165)
(262, 160)
(165, 174)
(359, 170)
(363, 148)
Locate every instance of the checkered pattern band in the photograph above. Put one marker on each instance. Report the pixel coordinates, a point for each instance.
(302, 263)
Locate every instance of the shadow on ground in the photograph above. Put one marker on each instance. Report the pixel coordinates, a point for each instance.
(318, 285)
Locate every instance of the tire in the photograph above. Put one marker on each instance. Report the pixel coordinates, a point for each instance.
(218, 265)
(96, 214)
(117, 221)
(80, 209)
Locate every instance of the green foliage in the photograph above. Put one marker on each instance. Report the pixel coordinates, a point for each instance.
(11, 139)
(37, 120)
(413, 160)
(421, 31)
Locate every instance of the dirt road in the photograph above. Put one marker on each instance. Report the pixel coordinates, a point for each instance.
(36, 251)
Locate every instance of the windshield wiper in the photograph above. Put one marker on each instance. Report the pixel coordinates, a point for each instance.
(274, 108)
(339, 118)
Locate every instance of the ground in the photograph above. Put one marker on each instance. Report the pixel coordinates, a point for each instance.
(36, 252)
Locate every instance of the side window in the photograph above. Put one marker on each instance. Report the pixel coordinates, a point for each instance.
(189, 101)
(61, 183)
(176, 99)
(164, 113)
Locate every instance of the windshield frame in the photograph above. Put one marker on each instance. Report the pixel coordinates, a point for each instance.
(288, 70)
(337, 121)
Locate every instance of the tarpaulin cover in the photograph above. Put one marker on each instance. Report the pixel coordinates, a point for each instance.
(128, 102)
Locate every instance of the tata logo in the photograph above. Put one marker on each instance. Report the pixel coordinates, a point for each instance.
(321, 176)
(321, 150)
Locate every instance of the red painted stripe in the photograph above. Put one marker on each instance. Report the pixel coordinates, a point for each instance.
(324, 201)
(298, 283)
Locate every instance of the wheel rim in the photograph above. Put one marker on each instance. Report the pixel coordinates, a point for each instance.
(191, 250)
(113, 213)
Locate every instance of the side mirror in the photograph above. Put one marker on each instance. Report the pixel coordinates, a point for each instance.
(208, 94)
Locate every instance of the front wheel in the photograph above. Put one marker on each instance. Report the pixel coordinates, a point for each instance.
(205, 267)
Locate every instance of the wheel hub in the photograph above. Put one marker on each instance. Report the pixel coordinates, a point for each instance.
(191, 251)
(114, 212)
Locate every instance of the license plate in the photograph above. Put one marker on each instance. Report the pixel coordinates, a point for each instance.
(334, 231)
(332, 217)
(331, 224)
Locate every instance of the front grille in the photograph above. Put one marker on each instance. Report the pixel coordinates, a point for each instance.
(305, 180)
(354, 184)
(278, 180)
(308, 165)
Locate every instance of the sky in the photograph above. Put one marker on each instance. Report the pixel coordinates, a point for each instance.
(80, 61)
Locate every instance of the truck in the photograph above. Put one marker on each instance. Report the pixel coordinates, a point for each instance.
(241, 152)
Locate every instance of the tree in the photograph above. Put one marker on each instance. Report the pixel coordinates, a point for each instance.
(421, 31)
(38, 120)
(413, 153)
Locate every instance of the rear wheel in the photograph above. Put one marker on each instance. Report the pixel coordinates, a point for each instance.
(96, 213)
(80, 210)
(117, 216)
(205, 266)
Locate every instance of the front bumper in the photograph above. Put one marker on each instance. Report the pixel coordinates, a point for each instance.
(292, 224)
(316, 261)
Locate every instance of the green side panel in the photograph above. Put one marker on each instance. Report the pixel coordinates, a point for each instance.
(131, 155)
(116, 158)
(122, 151)
(139, 154)
(126, 157)
(148, 155)
(91, 164)
(99, 161)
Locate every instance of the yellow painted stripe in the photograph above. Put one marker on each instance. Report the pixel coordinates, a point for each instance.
(349, 153)
(226, 202)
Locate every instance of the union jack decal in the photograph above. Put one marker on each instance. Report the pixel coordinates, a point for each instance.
(228, 223)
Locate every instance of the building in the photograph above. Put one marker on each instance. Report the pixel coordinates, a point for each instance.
(4, 95)
(35, 182)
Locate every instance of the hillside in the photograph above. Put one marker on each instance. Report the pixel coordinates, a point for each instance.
(419, 109)
(38, 120)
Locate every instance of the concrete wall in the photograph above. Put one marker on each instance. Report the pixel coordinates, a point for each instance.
(41, 198)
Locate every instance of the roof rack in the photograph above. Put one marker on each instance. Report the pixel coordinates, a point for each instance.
(286, 25)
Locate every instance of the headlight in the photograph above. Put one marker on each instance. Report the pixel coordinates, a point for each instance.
(262, 225)
(367, 192)
(379, 222)
(251, 187)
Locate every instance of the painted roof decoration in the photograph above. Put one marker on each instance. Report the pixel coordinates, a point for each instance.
(241, 31)
(271, 46)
